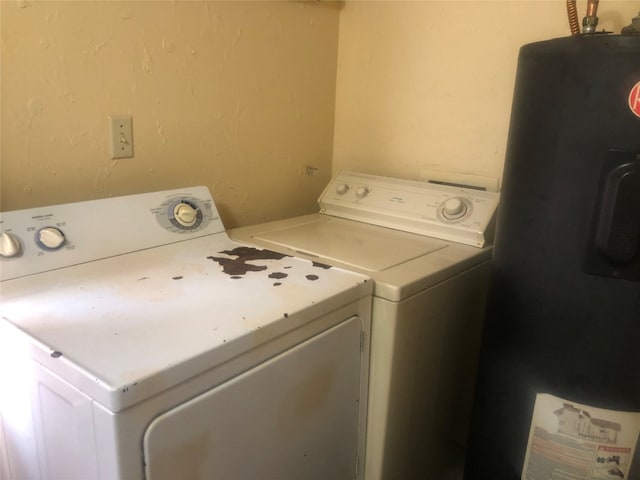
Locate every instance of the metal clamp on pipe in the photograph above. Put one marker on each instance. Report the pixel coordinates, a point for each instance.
(590, 21)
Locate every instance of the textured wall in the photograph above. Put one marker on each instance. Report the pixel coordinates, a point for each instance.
(235, 95)
(240, 95)
(427, 85)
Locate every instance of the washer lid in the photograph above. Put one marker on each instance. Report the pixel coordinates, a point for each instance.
(368, 248)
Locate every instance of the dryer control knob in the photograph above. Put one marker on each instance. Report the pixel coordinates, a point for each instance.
(342, 189)
(9, 245)
(185, 214)
(454, 208)
(50, 238)
(362, 192)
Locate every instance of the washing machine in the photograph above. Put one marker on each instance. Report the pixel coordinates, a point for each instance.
(427, 248)
(137, 341)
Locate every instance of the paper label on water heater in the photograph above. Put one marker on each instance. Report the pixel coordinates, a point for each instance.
(634, 99)
(571, 441)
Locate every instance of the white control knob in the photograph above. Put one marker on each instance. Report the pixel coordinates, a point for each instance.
(50, 238)
(454, 208)
(185, 214)
(342, 189)
(9, 245)
(362, 192)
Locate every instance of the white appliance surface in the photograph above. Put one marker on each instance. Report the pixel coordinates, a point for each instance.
(371, 228)
(358, 245)
(133, 325)
(429, 258)
(401, 263)
(455, 213)
(134, 314)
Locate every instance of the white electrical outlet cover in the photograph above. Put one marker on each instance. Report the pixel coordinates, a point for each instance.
(121, 136)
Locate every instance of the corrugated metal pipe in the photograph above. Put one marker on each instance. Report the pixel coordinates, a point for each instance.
(572, 13)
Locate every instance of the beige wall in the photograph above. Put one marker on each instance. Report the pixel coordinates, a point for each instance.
(427, 85)
(235, 95)
(240, 95)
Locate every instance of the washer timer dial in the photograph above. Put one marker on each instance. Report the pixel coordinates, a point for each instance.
(454, 209)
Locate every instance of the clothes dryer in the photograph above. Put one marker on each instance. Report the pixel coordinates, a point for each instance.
(137, 341)
(425, 246)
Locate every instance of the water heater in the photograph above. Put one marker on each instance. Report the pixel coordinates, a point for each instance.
(558, 393)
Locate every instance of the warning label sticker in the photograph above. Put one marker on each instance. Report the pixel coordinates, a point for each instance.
(569, 441)
(634, 99)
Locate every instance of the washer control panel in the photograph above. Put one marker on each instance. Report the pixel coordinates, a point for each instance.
(46, 238)
(459, 214)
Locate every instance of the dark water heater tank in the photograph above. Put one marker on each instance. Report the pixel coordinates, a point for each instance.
(562, 332)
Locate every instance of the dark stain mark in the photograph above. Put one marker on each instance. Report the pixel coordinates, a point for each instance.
(311, 277)
(321, 265)
(277, 284)
(236, 266)
(239, 266)
(56, 354)
(286, 315)
(179, 277)
(235, 277)
(143, 278)
(278, 275)
(288, 266)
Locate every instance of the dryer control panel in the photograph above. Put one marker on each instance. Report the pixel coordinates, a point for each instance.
(46, 238)
(459, 214)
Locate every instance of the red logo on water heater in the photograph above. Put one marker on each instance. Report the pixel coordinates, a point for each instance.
(634, 99)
